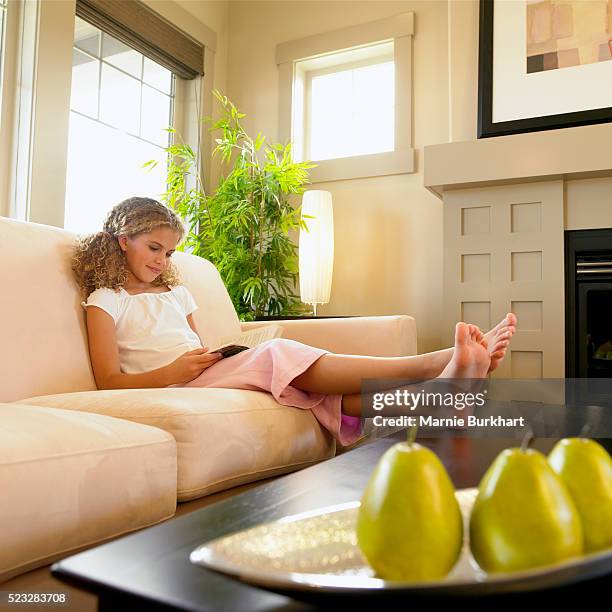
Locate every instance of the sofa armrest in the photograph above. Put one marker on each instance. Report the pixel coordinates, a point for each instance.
(385, 336)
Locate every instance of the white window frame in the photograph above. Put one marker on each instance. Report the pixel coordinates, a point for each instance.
(17, 100)
(5, 108)
(291, 58)
(4, 12)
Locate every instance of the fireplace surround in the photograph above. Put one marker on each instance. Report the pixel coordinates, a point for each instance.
(507, 204)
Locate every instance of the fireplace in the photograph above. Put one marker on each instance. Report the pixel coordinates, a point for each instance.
(588, 301)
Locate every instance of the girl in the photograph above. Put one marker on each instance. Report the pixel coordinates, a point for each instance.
(142, 333)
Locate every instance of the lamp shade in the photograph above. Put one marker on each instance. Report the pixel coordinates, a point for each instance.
(316, 248)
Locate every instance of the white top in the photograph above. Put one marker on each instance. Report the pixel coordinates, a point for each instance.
(151, 328)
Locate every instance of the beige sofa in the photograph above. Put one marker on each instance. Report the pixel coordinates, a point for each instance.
(79, 466)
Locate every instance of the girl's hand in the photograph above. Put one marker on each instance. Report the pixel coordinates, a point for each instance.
(191, 364)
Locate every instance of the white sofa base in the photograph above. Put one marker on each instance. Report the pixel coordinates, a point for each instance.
(224, 437)
(70, 480)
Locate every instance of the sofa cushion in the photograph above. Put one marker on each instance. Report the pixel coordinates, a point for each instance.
(225, 437)
(44, 346)
(71, 480)
(44, 341)
(216, 316)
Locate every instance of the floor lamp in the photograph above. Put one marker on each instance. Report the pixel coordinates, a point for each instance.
(316, 248)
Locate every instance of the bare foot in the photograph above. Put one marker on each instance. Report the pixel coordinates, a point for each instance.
(499, 338)
(471, 357)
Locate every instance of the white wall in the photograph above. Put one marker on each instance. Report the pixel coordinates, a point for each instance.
(388, 230)
(52, 112)
(588, 204)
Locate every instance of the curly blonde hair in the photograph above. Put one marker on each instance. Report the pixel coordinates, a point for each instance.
(98, 260)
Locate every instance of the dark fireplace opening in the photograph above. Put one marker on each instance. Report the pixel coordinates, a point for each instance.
(588, 299)
(598, 329)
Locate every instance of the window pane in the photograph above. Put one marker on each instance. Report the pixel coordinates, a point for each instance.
(122, 56)
(86, 37)
(352, 112)
(374, 110)
(119, 100)
(104, 167)
(1, 31)
(2, 11)
(84, 93)
(155, 116)
(331, 122)
(106, 152)
(157, 76)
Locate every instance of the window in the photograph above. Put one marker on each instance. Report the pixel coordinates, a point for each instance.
(2, 28)
(345, 99)
(350, 106)
(120, 106)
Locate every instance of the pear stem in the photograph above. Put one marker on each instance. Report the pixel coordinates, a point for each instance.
(412, 433)
(527, 440)
(585, 430)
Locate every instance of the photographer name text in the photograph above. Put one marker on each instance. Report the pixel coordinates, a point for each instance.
(431, 421)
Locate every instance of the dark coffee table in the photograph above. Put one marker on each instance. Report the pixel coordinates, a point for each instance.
(150, 569)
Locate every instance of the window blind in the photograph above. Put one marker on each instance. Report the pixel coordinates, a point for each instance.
(136, 25)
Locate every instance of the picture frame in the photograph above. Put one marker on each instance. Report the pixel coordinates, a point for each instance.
(528, 103)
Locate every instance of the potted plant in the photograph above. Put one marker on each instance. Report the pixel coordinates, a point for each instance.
(243, 227)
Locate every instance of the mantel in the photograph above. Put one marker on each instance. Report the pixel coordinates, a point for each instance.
(569, 153)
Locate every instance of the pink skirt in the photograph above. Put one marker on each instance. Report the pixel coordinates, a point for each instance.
(271, 366)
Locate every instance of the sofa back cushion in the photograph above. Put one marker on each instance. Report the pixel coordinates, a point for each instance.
(216, 316)
(44, 335)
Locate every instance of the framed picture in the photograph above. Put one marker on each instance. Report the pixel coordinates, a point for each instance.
(543, 65)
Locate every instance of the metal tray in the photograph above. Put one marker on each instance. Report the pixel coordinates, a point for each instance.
(315, 553)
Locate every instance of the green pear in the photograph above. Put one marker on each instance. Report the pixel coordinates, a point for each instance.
(409, 525)
(523, 516)
(586, 469)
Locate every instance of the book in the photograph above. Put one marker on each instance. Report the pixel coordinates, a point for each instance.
(231, 345)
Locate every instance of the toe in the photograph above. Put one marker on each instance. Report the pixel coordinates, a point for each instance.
(503, 323)
(462, 333)
(499, 349)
